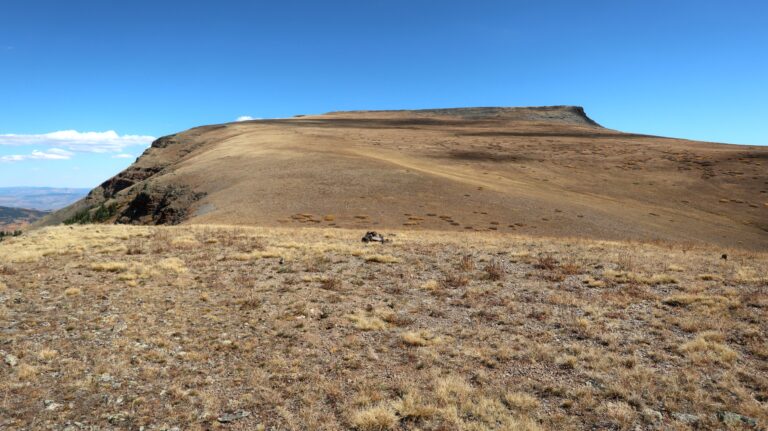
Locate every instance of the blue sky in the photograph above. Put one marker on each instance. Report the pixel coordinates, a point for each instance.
(129, 71)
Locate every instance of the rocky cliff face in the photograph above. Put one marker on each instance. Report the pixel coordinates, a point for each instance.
(574, 115)
(140, 194)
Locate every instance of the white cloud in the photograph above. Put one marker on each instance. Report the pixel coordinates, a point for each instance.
(246, 118)
(123, 156)
(52, 154)
(81, 142)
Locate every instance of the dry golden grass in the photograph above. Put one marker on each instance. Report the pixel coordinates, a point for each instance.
(709, 347)
(109, 266)
(420, 338)
(495, 270)
(367, 322)
(594, 282)
(47, 355)
(127, 327)
(520, 402)
(378, 418)
(381, 258)
(631, 277)
(173, 264)
(73, 291)
(431, 285)
(26, 372)
(185, 242)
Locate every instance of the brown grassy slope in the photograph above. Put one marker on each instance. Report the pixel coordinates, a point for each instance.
(546, 171)
(161, 327)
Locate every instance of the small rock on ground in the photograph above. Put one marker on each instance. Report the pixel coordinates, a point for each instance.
(11, 360)
(231, 417)
(733, 419)
(685, 417)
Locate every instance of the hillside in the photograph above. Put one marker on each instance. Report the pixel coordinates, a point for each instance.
(548, 171)
(213, 327)
(16, 218)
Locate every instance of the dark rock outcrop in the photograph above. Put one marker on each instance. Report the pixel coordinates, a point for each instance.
(164, 205)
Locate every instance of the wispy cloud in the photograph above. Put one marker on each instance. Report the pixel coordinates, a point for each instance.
(81, 142)
(123, 156)
(52, 154)
(246, 118)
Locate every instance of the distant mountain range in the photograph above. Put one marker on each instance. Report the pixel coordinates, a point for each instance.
(40, 198)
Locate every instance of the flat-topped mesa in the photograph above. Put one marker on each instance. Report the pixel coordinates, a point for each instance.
(548, 171)
(556, 114)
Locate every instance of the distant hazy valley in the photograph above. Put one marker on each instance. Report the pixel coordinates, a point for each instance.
(20, 206)
(39, 198)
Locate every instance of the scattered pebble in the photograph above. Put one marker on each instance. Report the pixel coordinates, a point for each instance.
(735, 419)
(685, 417)
(11, 360)
(51, 405)
(231, 417)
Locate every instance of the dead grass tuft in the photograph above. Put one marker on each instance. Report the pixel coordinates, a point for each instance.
(73, 291)
(412, 406)
(431, 285)
(620, 414)
(546, 262)
(454, 280)
(109, 266)
(47, 355)
(594, 282)
(377, 418)
(382, 258)
(687, 299)
(467, 263)
(185, 242)
(26, 372)
(708, 347)
(173, 264)
(521, 402)
(452, 389)
(495, 270)
(365, 321)
(330, 283)
(567, 361)
(420, 338)
(631, 277)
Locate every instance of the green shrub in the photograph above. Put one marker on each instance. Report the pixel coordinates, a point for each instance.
(89, 215)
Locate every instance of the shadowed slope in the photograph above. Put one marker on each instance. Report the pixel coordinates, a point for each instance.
(544, 171)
